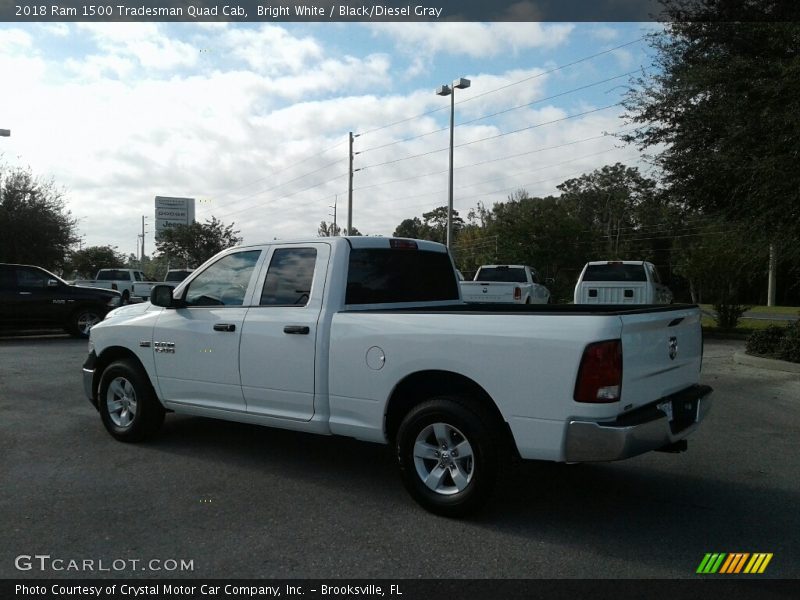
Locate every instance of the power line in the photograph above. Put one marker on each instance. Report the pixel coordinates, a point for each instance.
(506, 110)
(498, 159)
(503, 87)
(492, 137)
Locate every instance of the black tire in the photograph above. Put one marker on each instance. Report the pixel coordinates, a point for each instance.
(125, 386)
(463, 485)
(126, 297)
(82, 320)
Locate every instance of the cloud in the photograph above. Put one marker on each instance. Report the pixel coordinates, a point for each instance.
(271, 49)
(471, 39)
(259, 125)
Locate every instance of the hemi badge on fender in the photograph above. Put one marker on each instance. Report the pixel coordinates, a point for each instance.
(144, 344)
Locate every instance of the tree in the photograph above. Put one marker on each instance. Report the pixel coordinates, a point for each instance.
(90, 260)
(193, 244)
(328, 229)
(433, 226)
(409, 228)
(35, 224)
(721, 112)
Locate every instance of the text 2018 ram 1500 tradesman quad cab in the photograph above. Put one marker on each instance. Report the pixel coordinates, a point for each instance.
(368, 337)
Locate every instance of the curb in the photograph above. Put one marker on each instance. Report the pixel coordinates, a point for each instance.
(771, 364)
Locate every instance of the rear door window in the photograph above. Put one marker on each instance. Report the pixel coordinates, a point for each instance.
(289, 277)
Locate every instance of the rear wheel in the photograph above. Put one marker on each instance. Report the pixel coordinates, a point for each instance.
(128, 405)
(448, 455)
(82, 320)
(126, 297)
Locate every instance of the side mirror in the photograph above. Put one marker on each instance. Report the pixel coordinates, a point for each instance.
(161, 295)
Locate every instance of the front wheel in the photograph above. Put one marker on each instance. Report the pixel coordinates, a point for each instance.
(82, 320)
(128, 405)
(448, 456)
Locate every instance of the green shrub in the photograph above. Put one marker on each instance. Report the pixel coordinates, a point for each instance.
(765, 342)
(729, 313)
(789, 346)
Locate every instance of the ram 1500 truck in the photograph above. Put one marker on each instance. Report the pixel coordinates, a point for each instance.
(131, 283)
(368, 337)
(505, 284)
(621, 282)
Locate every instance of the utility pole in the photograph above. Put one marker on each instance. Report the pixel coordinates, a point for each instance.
(335, 202)
(141, 258)
(350, 190)
(773, 267)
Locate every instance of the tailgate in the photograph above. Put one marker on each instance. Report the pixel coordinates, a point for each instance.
(478, 291)
(613, 293)
(661, 354)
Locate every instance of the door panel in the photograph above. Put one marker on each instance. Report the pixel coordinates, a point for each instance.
(278, 346)
(196, 348)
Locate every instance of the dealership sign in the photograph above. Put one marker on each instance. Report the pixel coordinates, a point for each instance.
(173, 211)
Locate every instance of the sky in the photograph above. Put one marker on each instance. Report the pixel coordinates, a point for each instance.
(253, 119)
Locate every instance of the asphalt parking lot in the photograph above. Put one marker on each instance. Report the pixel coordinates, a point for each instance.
(245, 501)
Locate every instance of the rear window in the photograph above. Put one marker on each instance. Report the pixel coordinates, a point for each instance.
(176, 275)
(113, 274)
(514, 275)
(615, 272)
(383, 275)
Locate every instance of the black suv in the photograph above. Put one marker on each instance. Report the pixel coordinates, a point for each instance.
(32, 298)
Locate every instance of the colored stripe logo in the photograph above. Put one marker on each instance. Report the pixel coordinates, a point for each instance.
(734, 563)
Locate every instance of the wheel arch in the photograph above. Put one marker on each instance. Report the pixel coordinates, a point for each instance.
(418, 387)
(110, 355)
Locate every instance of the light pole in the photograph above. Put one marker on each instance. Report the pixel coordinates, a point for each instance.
(4, 133)
(447, 90)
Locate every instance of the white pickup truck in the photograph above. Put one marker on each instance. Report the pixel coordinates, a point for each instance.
(621, 282)
(505, 284)
(368, 337)
(131, 283)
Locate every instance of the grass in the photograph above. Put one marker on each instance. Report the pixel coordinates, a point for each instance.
(745, 325)
(765, 310)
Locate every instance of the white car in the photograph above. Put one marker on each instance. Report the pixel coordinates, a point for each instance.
(367, 337)
(621, 282)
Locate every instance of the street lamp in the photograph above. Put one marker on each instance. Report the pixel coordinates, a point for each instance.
(447, 90)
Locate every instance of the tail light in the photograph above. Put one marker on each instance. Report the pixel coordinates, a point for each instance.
(517, 294)
(600, 374)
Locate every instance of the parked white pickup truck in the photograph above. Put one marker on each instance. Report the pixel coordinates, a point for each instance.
(367, 337)
(621, 282)
(505, 284)
(131, 283)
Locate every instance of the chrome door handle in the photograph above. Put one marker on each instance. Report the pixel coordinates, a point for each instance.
(224, 327)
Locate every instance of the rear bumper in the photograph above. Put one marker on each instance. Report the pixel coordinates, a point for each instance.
(647, 428)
